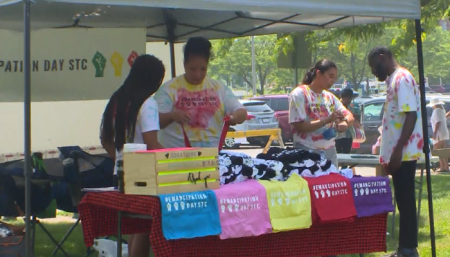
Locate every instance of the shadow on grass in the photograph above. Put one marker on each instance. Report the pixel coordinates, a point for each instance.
(440, 186)
(74, 244)
(422, 236)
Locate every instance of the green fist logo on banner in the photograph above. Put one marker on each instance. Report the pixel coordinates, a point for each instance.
(99, 62)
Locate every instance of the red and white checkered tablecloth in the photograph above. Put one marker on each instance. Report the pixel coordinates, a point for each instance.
(98, 212)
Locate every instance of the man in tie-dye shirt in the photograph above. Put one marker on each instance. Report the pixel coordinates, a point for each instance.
(196, 103)
(401, 141)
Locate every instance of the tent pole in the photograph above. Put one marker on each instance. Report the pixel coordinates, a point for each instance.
(27, 125)
(172, 57)
(170, 26)
(426, 148)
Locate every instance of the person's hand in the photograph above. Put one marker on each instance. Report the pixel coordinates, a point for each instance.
(181, 117)
(231, 120)
(396, 160)
(342, 126)
(333, 117)
(386, 169)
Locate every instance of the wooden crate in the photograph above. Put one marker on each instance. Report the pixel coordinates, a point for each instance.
(171, 171)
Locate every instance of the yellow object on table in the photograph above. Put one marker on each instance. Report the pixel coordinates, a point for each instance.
(289, 203)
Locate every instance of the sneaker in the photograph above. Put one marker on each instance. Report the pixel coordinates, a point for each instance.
(400, 253)
(394, 254)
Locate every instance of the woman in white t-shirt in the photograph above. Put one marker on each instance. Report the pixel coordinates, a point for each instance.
(440, 130)
(131, 116)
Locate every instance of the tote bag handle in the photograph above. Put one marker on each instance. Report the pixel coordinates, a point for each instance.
(223, 134)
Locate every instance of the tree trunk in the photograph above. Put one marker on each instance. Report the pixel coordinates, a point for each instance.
(244, 76)
(361, 72)
(352, 65)
(262, 79)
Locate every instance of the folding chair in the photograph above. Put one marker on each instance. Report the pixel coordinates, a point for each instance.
(41, 196)
(82, 170)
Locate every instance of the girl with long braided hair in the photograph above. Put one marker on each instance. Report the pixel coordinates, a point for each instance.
(131, 116)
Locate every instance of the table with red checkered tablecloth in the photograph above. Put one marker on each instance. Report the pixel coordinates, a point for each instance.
(98, 212)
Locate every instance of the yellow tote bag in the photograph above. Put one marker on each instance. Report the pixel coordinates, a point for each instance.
(289, 203)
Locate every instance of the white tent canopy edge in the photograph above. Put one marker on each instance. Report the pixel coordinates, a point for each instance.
(380, 8)
(177, 20)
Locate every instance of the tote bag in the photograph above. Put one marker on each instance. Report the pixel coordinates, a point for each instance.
(357, 132)
(243, 210)
(372, 195)
(189, 215)
(289, 203)
(331, 198)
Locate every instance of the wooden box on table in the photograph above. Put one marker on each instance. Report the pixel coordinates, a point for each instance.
(168, 171)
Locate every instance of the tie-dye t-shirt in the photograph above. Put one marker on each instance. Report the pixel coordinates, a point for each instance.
(306, 105)
(208, 104)
(402, 96)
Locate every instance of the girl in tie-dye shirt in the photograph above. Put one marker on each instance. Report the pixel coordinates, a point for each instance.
(313, 110)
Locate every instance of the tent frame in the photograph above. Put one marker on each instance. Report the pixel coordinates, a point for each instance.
(426, 147)
(170, 24)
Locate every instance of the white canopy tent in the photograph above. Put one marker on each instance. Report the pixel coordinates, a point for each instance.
(177, 20)
(210, 18)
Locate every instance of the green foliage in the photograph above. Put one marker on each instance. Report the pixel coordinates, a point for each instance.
(432, 11)
(347, 47)
(235, 60)
(436, 52)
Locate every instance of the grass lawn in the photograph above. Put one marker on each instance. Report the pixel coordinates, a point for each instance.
(441, 195)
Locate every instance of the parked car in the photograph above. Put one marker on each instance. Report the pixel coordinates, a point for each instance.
(429, 90)
(260, 116)
(438, 89)
(446, 87)
(280, 104)
(372, 116)
(361, 99)
(337, 93)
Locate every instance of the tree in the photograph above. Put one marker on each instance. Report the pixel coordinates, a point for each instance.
(281, 79)
(349, 54)
(348, 47)
(431, 12)
(234, 58)
(436, 50)
(356, 58)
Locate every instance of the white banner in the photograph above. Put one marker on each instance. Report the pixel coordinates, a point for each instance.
(69, 64)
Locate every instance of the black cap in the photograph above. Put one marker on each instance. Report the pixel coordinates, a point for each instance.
(347, 93)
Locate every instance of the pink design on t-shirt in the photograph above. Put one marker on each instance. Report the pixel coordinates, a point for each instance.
(420, 144)
(201, 105)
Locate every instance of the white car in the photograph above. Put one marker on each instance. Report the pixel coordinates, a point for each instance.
(260, 116)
